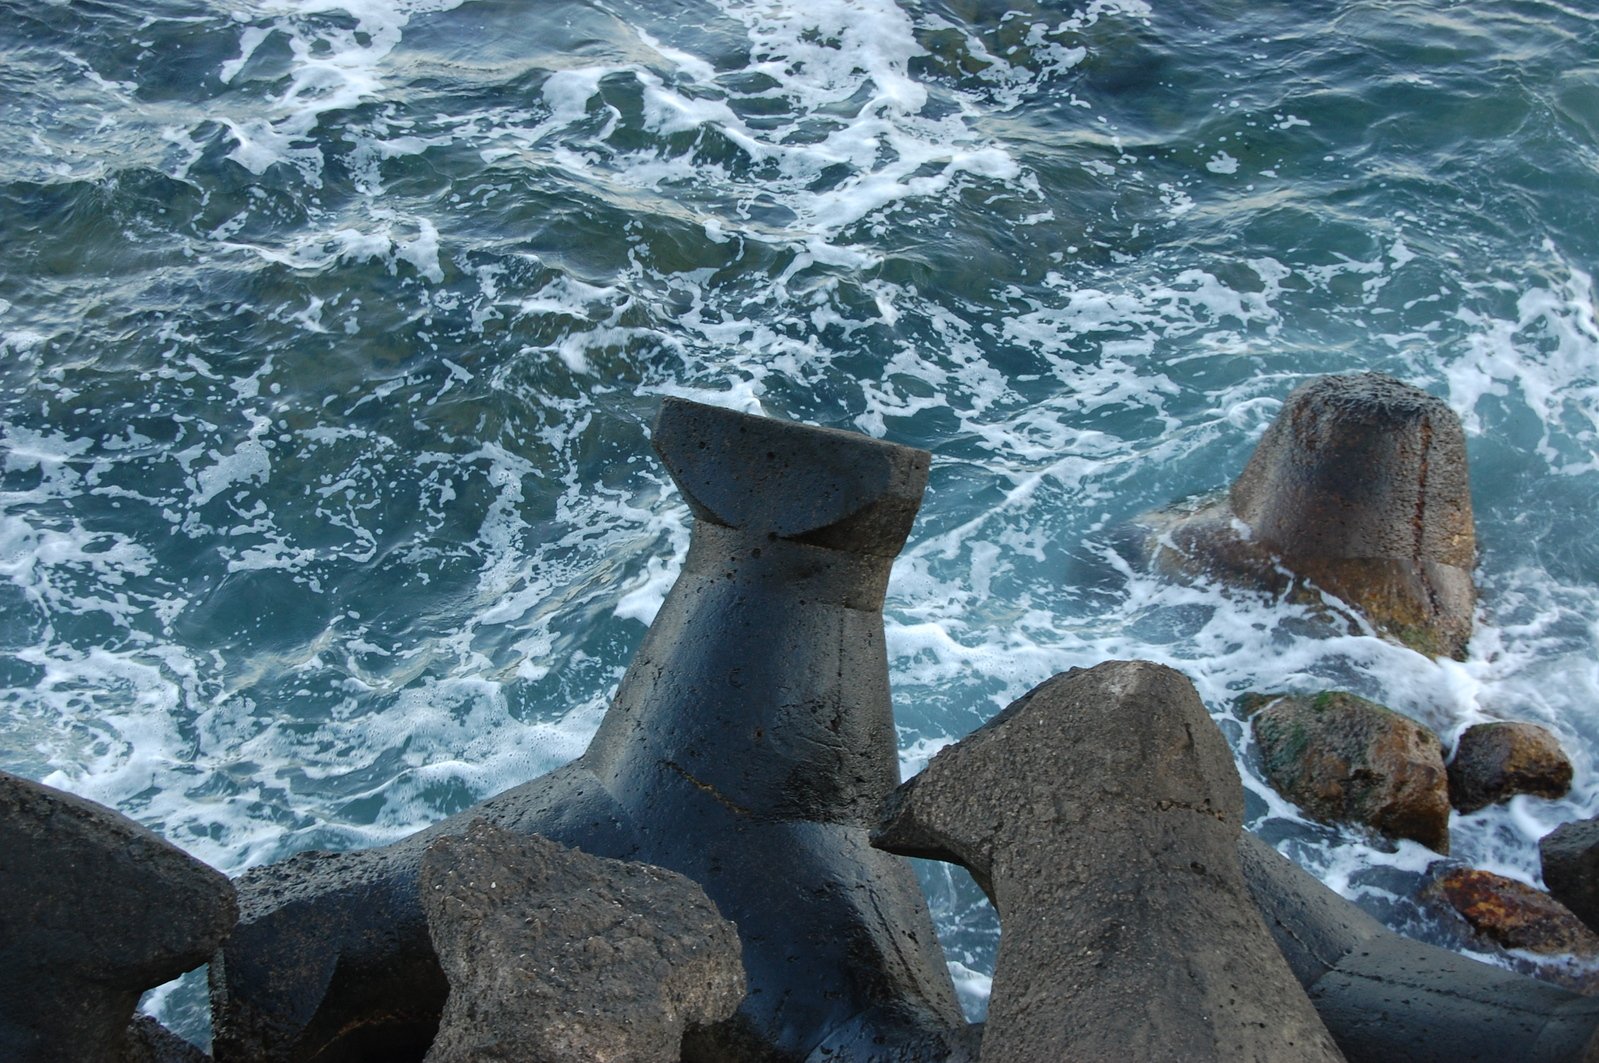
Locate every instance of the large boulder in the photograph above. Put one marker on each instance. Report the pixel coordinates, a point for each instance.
(1570, 856)
(94, 910)
(1494, 762)
(1101, 814)
(1359, 488)
(747, 748)
(554, 955)
(1386, 997)
(1343, 759)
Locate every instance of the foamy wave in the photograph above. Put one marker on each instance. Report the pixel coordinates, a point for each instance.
(1546, 357)
(335, 67)
(391, 240)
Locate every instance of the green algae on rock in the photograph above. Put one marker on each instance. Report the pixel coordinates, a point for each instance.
(1344, 759)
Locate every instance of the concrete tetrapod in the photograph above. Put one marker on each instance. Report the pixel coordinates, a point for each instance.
(94, 910)
(1100, 814)
(1385, 997)
(1359, 486)
(748, 748)
(556, 956)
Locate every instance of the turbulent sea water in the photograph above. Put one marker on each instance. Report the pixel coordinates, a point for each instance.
(331, 332)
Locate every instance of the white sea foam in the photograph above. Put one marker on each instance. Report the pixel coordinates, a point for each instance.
(335, 67)
(1222, 163)
(391, 240)
(971, 987)
(1547, 355)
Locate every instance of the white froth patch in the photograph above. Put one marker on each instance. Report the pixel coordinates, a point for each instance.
(422, 251)
(258, 147)
(251, 39)
(248, 463)
(695, 68)
(843, 69)
(972, 987)
(1546, 357)
(1222, 163)
(392, 240)
(742, 394)
(567, 93)
(641, 599)
(915, 755)
(335, 67)
(667, 112)
(49, 452)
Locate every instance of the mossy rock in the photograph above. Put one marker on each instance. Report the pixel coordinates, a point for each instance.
(1343, 759)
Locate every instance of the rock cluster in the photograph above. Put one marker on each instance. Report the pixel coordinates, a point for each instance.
(1359, 490)
(1344, 759)
(702, 884)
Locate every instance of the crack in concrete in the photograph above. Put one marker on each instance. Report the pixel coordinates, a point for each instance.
(700, 784)
(1419, 520)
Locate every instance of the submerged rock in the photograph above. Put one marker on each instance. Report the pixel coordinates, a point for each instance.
(1494, 762)
(553, 954)
(748, 748)
(1358, 487)
(1511, 914)
(1570, 856)
(94, 910)
(1101, 814)
(1343, 759)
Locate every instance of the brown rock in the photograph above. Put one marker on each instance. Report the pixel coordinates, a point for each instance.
(1496, 761)
(1512, 914)
(1360, 488)
(1344, 759)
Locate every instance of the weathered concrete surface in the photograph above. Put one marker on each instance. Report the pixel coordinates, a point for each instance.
(748, 747)
(1570, 856)
(94, 910)
(1344, 759)
(1511, 914)
(555, 955)
(147, 1041)
(1385, 997)
(1494, 762)
(1100, 813)
(1359, 487)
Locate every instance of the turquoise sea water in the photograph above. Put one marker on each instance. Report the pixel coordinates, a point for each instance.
(331, 331)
